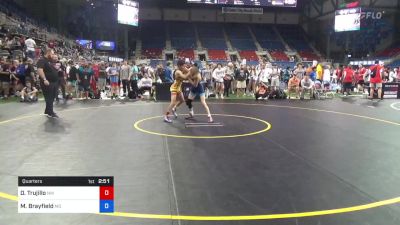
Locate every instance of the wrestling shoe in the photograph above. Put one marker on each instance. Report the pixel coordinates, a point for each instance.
(167, 119)
(174, 113)
(210, 119)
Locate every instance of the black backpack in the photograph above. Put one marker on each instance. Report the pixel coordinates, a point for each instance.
(374, 72)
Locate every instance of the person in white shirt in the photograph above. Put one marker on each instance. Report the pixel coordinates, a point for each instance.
(392, 75)
(275, 84)
(30, 47)
(218, 75)
(307, 85)
(327, 76)
(263, 76)
(145, 84)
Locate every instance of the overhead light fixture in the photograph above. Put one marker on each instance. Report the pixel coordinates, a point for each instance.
(92, 3)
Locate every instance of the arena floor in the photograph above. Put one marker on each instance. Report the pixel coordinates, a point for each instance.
(331, 162)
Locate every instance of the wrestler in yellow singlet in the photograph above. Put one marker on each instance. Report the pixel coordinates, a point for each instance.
(176, 87)
(177, 97)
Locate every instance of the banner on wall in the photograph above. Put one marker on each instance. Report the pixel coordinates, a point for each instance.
(234, 10)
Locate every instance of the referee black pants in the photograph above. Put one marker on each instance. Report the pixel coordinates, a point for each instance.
(49, 93)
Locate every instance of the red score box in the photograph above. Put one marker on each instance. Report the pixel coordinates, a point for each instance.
(106, 193)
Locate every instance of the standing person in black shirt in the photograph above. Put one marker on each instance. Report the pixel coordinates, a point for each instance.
(72, 89)
(48, 81)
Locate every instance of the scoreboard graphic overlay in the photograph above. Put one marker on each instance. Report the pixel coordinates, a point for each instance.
(65, 194)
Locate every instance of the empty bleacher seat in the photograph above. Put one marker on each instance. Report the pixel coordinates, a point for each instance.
(243, 44)
(308, 56)
(279, 55)
(183, 43)
(248, 55)
(237, 31)
(186, 53)
(213, 43)
(214, 54)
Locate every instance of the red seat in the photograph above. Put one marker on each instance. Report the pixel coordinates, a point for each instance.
(279, 56)
(308, 56)
(217, 55)
(186, 53)
(152, 53)
(248, 55)
(389, 52)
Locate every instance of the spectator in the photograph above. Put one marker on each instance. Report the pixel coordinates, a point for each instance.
(134, 80)
(307, 85)
(264, 75)
(361, 78)
(30, 48)
(168, 73)
(262, 92)
(294, 85)
(299, 71)
(30, 71)
(241, 76)
(102, 81)
(375, 72)
(319, 73)
(392, 75)
(251, 88)
(275, 78)
(313, 74)
(61, 78)
(218, 76)
(398, 74)
(229, 76)
(125, 74)
(85, 74)
(145, 84)
(206, 74)
(327, 77)
(5, 79)
(348, 79)
(29, 92)
(286, 76)
(72, 77)
(113, 75)
(160, 74)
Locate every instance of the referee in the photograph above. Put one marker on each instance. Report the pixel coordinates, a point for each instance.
(48, 81)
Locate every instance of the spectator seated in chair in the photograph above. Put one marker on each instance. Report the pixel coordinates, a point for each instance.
(262, 92)
(307, 85)
(145, 84)
(29, 93)
(294, 85)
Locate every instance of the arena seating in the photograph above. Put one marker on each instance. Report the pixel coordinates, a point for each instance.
(211, 36)
(216, 54)
(186, 53)
(269, 40)
(183, 43)
(152, 53)
(396, 63)
(243, 44)
(278, 55)
(237, 31)
(307, 55)
(153, 39)
(212, 43)
(182, 38)
(391, 51)
(248, 55)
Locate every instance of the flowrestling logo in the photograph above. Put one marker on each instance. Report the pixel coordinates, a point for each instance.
(372, 15)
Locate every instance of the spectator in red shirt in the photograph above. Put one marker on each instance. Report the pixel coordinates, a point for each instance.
(375, 72)
(348, 78)
(360, 78)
